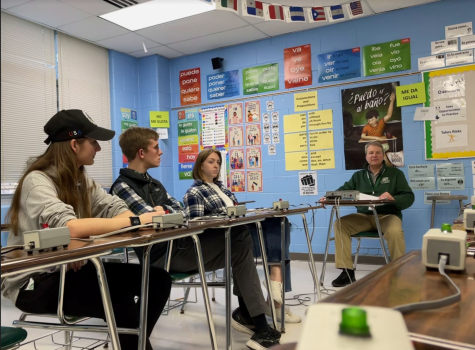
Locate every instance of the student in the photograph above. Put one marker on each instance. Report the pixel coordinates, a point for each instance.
(56, 190)
(208, 195)
(144, 194)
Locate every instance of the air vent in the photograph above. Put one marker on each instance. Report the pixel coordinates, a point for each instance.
(125, 3)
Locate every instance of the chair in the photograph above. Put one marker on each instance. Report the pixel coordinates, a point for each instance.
(450, 197)
(12, 337)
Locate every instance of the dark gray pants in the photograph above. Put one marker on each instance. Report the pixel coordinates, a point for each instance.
(245, 277)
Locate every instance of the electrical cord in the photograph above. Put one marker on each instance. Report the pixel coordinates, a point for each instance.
(435, 304)
(11, 248)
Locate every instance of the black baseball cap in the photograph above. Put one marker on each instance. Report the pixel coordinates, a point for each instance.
(74, 124)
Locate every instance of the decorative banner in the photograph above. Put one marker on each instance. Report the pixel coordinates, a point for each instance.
(187, 128)
(431, 62)
(411, 94)
(213, 127)
(457, 30)
(459, 57)
(295, 122)
(467, 42)
(253, 134)
(389, 57)
(238, 181)
(235, 113)
(236, 158)
(296, 161)
(295, 142)
(322, 160)
(305, 101)
(128, 114)
(190, 86)
(223, 85)
(441, 46)
(253, 158)
(260, 79)
(339, 65)
(297, 66)
(253, 111)
(370, 112)
(321, 139)
(236, 136)
(308, 183)
(159, 119)
(320, 119)
(254, 181)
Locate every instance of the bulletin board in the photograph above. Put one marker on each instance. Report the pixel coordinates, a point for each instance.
(452, 92)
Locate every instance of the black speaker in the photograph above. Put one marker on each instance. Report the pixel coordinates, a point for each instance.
(217, 62)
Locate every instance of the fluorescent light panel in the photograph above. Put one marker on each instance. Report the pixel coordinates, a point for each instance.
(156, 12)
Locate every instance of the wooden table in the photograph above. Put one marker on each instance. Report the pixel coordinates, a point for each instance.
(405, 281)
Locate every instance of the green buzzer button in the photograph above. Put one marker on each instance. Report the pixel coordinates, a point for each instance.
(353, 322)
(446, 228)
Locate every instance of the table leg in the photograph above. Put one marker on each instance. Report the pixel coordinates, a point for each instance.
(201, 268)
(380, 233)
(322, 277)
(106, 301)
(144, 298)
(282, 307)
(432, 215)
(313, 270)
(227, 268)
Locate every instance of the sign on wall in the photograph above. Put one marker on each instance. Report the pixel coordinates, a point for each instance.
(297, 66)
(190, 86)
(339, 65)
(260, 79)
(222, 85)
(392, 56)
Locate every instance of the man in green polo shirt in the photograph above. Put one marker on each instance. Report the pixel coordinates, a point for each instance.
(386, 183)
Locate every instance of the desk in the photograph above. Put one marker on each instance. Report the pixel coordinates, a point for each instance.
(406, 280)
(372, 204)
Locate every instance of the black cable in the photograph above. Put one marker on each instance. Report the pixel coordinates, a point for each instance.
(11, 250)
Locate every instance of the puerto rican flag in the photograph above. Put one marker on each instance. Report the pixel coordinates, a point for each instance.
(252, 8)
(316, 14)
(275, 12)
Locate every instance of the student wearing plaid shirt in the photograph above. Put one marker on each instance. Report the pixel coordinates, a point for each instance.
(141, 192)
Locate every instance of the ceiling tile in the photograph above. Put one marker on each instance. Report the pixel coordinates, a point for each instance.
(94, 7)
(160, 50)
(93, 29)
(214, 41)
(6, 4)
(129, 42)
(193, 27)
(273, 28)
(389, 5)
(50, 12)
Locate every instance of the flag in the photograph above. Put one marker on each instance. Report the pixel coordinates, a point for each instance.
(336, 12)
(275, 12)
(295, 14)
(355, 9)
(316, 14)
(252, 8)
(228, 5)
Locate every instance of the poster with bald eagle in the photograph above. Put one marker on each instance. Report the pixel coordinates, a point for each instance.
(370, 113)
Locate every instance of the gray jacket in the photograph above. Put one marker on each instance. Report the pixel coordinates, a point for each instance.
(39, 204)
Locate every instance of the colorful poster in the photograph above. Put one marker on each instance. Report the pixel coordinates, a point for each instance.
(188, 149)
(238, 181)
(223, 85)
(128, 114)
(187, 157)
(253, 111)
(392, 56)
(253, 134)
(254, 181)
(185, 171)
(297, 66)
(192, 114)
(253, 158)
(159, 119)
(411, 94)
(320, 119)
(236, 136)
(305, 101)
(235, 113)
(126, 124)
(339, 65)
(371, 113)
(214, 122)
(190, 86)
(295, 122)
(188, 128)
(260, 79)
(181, 115)
(236, 158)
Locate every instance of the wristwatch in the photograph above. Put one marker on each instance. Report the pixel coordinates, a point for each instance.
(135, 221)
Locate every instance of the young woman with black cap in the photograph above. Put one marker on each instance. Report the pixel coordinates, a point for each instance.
(56, 190)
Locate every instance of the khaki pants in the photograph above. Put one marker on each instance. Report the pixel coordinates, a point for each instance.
(349, 225)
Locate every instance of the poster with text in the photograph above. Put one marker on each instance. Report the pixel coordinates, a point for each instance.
(214, 122)
(253, 111)
(254, 181)
(190, 86)
(297, 66)
(371, 113)
(238, 181)
(392, 56)
(235, 113)
(236, 136)
(223, 85)
(236, 158)
(253, 158)
(253, 135)
(260, 79)
(339, 65)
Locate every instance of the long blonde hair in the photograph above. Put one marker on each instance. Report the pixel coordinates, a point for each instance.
(62, 158)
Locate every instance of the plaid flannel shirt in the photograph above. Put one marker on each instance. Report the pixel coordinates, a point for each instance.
(201, 199)
(137, 205)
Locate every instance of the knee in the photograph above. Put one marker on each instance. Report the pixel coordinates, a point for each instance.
(241, 251)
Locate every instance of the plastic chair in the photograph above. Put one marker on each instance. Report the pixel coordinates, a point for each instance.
(12, 337)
